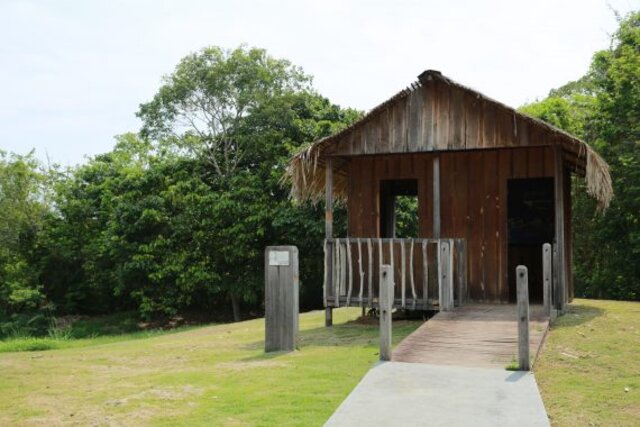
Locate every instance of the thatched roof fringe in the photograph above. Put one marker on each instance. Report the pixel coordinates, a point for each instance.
(598, 179)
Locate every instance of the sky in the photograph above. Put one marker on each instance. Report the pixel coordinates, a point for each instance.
(73, 73)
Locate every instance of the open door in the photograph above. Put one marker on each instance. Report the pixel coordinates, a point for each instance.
(399, 208)
(530, 216)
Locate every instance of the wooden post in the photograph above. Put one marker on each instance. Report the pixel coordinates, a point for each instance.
(342, 281)
(361, 274)
(445, 276)
(328, 231)
(412, 281)
(385, 306)
(403, 272)
(560, 286)
(349, 269)
(425, 275)
(327, 263)
(546, 278)
(336, 268)
(370, 278)
(461, 271)
(452, 299)
(523, 317)
(554, 275)
(436, 197)
(281, 298)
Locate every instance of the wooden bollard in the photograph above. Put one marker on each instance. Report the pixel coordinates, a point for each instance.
(523, 317)
(546, 278)
(385, 304)
(445, 277)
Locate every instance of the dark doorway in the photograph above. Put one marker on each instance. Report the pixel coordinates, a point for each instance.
(399, 208)
(530, 213)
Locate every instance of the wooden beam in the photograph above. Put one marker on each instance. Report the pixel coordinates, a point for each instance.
(360, 273)
(436, 197)
(328, 233)
(560, 288)
(568, 235)
(350, 271)
(337, 266)
(425, 272)
(370, 275)
(414, 294)
(461, 270)
(328, 210)
(403, 274)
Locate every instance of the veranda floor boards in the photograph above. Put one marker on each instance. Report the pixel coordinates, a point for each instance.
(475, 335)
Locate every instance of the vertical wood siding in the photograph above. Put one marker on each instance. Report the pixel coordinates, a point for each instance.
(438, 116)
(473, 206)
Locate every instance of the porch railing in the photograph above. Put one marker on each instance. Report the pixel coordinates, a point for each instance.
(430, 274)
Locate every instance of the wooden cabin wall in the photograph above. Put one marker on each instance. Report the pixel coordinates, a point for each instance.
(473, 202)
(438, 116)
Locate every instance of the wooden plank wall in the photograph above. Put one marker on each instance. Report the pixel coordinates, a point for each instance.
(438, 116)
(473, 205)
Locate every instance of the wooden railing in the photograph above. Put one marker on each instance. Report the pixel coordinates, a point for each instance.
(429, 274)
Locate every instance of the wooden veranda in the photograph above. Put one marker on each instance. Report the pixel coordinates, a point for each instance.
(475, 335)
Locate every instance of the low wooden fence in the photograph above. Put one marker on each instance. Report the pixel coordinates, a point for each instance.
(430, 274)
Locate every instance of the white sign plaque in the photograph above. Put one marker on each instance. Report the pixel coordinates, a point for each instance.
(279, 258)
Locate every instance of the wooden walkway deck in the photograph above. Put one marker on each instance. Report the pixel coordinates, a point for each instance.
(477, 335)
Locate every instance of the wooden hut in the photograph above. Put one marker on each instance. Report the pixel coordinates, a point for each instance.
(488, 186)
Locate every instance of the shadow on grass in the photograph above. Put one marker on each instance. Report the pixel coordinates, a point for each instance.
(577, 314)
(354, 333)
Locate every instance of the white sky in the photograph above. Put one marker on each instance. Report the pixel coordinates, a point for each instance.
(72, 73)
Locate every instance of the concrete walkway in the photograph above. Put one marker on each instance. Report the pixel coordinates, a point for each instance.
(415, 394)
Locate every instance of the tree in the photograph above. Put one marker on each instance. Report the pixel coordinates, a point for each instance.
(23, 203)
(203, 104)
(177, 219)
(241, 113)
(604, 108)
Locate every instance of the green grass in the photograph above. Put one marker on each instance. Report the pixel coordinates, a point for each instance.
(589, 369)
(85, 332)
(215, 375)
(104, 372)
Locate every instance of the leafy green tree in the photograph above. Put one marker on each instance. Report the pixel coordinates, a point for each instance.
(570, 112)
(242, 113)
(177, 218)
(203, 104)
(604, 108)
(23, 203)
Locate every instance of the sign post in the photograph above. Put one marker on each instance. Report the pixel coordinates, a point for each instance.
(281, 298)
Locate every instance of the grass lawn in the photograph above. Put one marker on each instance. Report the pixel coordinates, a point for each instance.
(215, 375)
(589, 369)
(588, 372)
